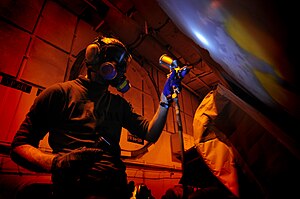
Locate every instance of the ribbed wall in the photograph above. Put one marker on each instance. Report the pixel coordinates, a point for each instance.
(39, 42)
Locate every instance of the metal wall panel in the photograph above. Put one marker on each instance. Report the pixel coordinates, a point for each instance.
(13, 48)
(46, 64)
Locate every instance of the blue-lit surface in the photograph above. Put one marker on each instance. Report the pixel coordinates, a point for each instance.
(242, 36)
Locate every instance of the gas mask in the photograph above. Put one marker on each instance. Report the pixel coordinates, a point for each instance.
(110, 62)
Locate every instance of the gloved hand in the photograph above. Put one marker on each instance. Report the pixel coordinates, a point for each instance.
(75, 162)
(174, 82)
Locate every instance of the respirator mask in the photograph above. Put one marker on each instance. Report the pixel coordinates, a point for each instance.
(111, 66)
(114, 65)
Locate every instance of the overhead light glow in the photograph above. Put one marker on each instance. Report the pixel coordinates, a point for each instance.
(201, 38)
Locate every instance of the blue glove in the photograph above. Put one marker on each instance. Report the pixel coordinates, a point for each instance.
(173, 83)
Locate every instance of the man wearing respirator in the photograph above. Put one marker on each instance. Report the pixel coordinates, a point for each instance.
(84, 121)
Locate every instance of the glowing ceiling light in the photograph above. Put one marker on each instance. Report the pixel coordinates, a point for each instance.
(201, 38)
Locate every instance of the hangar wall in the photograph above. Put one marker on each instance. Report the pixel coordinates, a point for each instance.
(39, 43)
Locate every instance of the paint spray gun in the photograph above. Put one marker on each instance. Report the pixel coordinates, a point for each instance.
(172, 65)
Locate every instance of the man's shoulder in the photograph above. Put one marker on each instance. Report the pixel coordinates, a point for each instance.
(118, 98)
(60, 87)
(69, 84)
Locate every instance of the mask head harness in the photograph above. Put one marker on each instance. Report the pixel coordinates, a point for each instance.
(108, 57)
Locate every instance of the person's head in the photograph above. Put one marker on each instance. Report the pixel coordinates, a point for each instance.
(143, 192)
(107, 60)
